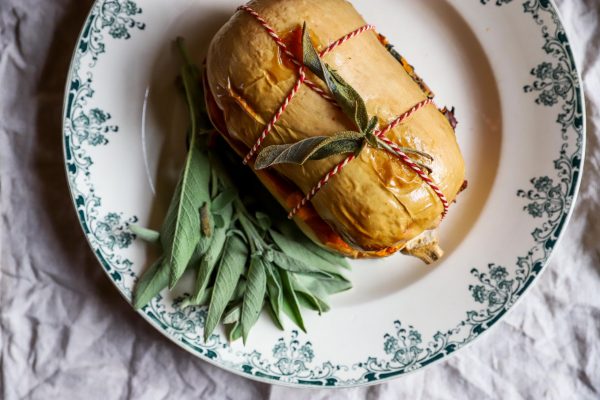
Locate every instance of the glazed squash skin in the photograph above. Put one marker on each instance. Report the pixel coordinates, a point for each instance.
(376, 204)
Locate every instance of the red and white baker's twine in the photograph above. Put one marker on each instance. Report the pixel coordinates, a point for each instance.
(380, 133)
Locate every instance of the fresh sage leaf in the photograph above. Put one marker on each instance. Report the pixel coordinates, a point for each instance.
(179, 234)
(219, 221)
(201, 248)
(306, 303)
(233, 315)
(198, 254)
(290, 302)
(339, 277)
(307, 284)
(293, 234)
(239, 233)
(145, 234)
(333, 286)
(313, 148)
(348, 99)
(298, 251)
(310, 56)
(222, 219)
(206, 242)
(327, 255)
(250, 232)
(327, 269)
(275, 294)
(194, 92)
(209, 259)
(200, 302)
(312, 303)
(154, 280)
(263, 220)
(179, 231)
(207, 265)
(254, 295)
(369, 135)
(293, 265)
(214, 184)
(240, 289)
(151, 283)
(275, 318)
(235, 332)
(325, 286)
(229, 271)
(317, 302)
(217, 162)
(223, 199)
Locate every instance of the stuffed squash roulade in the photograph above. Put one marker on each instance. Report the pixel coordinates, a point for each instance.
(377, 204)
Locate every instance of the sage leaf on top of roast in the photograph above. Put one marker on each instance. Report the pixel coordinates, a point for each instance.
(281, 172)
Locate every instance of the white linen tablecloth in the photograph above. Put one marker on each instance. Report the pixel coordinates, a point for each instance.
(65, 332)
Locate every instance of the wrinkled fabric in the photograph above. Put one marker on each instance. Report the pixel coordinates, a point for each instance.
(66, 333)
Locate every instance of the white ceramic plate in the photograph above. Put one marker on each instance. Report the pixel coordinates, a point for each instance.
(507, 67)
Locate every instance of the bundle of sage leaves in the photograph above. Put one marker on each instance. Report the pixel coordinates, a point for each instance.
(223, 226)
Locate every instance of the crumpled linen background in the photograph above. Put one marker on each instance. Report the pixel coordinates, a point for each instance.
(66, 333)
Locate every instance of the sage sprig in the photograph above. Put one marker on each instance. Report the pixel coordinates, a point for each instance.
(183, 216)
(147, 235)
(254, 295)
(346, 142)
(153, 280)
(229, 271)
(244, 253)
(314, 148)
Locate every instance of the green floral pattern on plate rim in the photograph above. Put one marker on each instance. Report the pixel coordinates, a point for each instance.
(555, 84)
